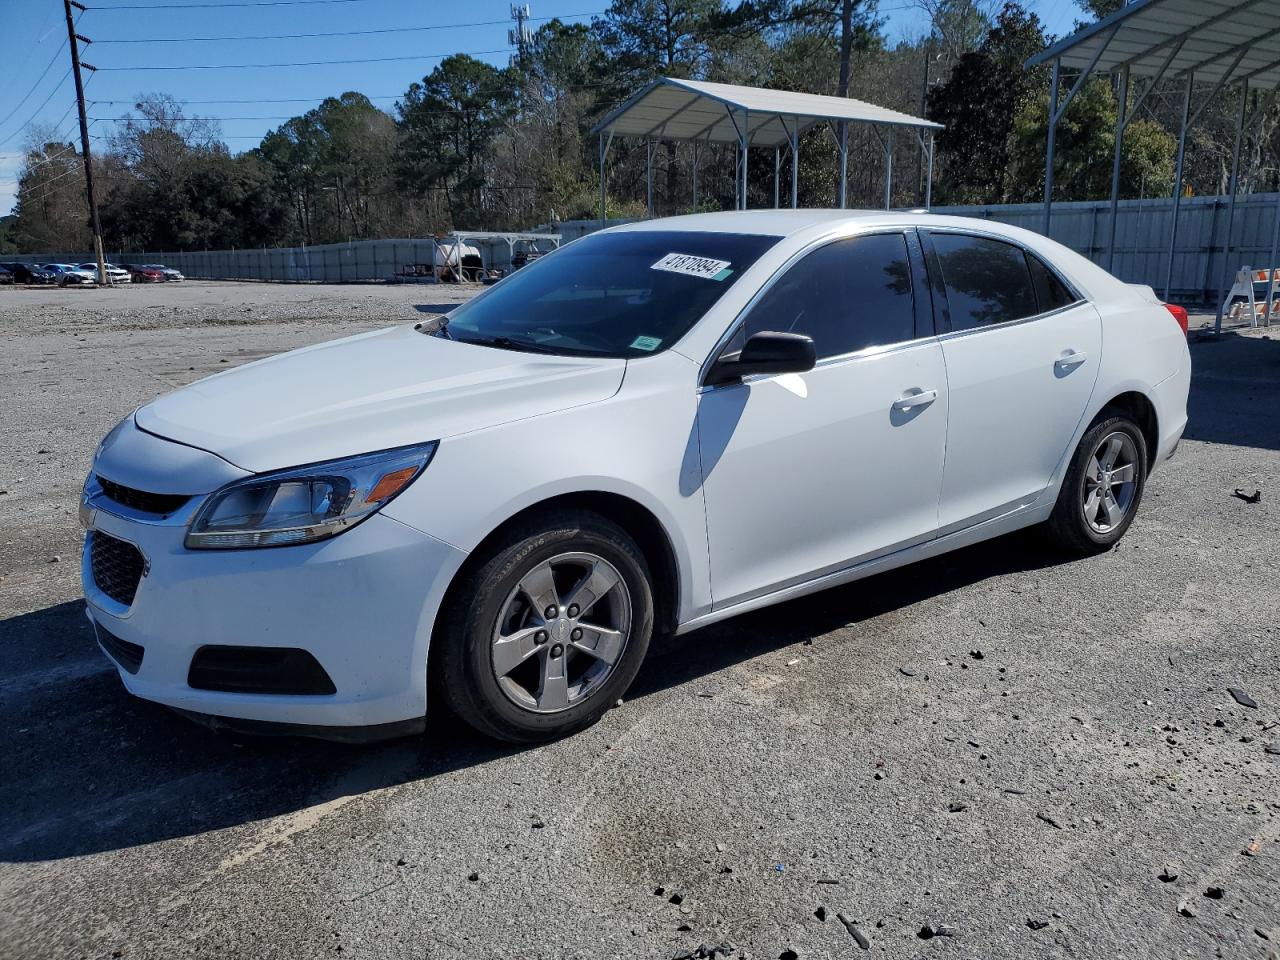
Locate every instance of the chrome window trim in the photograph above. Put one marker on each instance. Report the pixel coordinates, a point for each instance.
(741, 317)
(866, 353)
(953, 334)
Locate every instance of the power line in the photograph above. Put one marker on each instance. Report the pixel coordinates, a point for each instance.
(341, 33)
(304, 63)
(384, 96)
(66, 151)
(47, 190)
(291, 100)
(35, 114)
(44, 73)
(207, 6)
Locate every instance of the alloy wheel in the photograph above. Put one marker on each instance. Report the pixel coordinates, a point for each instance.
(561, 632)
(1110, 482)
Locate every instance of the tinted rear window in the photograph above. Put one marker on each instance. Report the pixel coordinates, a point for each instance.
(987, 280)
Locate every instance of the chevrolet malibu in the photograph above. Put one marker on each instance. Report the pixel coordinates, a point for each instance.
(657, 427)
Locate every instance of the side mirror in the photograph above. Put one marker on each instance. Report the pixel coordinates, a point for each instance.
(766, 352)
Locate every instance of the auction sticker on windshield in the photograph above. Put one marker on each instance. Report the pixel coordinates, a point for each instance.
(691, 266)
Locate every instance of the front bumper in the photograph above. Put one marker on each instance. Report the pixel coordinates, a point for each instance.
(362, 604)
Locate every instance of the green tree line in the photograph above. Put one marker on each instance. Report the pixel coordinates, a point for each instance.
(472, 145)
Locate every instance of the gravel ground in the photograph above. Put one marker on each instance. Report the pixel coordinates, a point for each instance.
(1021, 756)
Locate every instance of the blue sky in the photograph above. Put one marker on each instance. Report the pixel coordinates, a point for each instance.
(35, 30)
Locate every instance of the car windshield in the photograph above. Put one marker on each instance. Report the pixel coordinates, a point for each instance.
(626, 294)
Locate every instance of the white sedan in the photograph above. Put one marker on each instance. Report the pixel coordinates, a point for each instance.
(657, 427)
(114, 274)
(70, 274)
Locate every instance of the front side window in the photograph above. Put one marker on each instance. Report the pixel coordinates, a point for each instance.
(628, 294)
(987, 281)
(848, 295)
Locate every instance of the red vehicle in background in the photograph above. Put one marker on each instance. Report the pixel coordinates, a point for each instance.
(145, 274)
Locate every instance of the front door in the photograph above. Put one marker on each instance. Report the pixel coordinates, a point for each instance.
(807, 473)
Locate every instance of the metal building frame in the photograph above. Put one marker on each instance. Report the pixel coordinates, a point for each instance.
(1218, 42)
(701, 113)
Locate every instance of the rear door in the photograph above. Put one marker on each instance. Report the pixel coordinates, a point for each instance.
(1022, 351)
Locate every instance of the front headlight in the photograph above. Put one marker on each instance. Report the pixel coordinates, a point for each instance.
(305, 504)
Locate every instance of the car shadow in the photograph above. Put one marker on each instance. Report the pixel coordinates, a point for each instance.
(1235, 381)
(92, 769)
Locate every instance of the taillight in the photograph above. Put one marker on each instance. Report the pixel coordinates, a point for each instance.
(1179, 314)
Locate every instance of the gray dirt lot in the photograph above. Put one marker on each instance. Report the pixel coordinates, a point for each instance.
(850, 751)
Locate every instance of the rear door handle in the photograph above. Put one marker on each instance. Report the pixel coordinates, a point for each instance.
(915, 398)
(1071, 358)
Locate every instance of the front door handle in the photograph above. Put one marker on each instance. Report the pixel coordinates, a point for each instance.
(1070, 358)
(915, 398)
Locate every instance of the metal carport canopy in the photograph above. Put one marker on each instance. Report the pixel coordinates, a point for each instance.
(1211, 42)
(1209, 35)
(700, 112)
(688, 110)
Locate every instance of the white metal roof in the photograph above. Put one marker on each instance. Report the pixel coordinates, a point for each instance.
(1213, 38)
(670, 109)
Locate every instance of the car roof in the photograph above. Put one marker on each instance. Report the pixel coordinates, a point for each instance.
(774, 223)
(786, 222)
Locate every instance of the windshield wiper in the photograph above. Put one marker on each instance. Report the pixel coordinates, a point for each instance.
(507, 343)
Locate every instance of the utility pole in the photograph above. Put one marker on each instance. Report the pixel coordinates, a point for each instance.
(73, 40)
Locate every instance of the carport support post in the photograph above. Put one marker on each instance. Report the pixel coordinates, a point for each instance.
(777, 173)
(1122, 121)
(604, 150)
(1051, 147)
(888, 168)
(1225, 273)
(697, 155)
(928, 180)
(842, 144)
(795, 161)
(648, 178)
(1271, 265)
(744, 138)
(1177, 182)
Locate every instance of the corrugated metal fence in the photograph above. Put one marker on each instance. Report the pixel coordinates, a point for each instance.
(1142, 242)
(1142, 237)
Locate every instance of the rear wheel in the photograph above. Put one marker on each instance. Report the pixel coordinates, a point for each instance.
(1102, 489)
(548, 632)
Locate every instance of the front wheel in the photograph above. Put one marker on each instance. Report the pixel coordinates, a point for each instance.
(1102, 488)
(548, 632)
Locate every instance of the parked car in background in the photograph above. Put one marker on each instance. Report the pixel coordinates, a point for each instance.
(70, 274)
(31, 273)
(652, 429)
(144, 273)
(169, 272)
(114, 274)
(6, 274)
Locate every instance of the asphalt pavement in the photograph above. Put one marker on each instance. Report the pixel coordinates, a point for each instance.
(995, 754)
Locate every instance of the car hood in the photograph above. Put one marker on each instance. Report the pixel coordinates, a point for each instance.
(374, 391)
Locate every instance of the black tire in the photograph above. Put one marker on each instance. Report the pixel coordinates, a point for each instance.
(462, 668)
(1068, 527)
